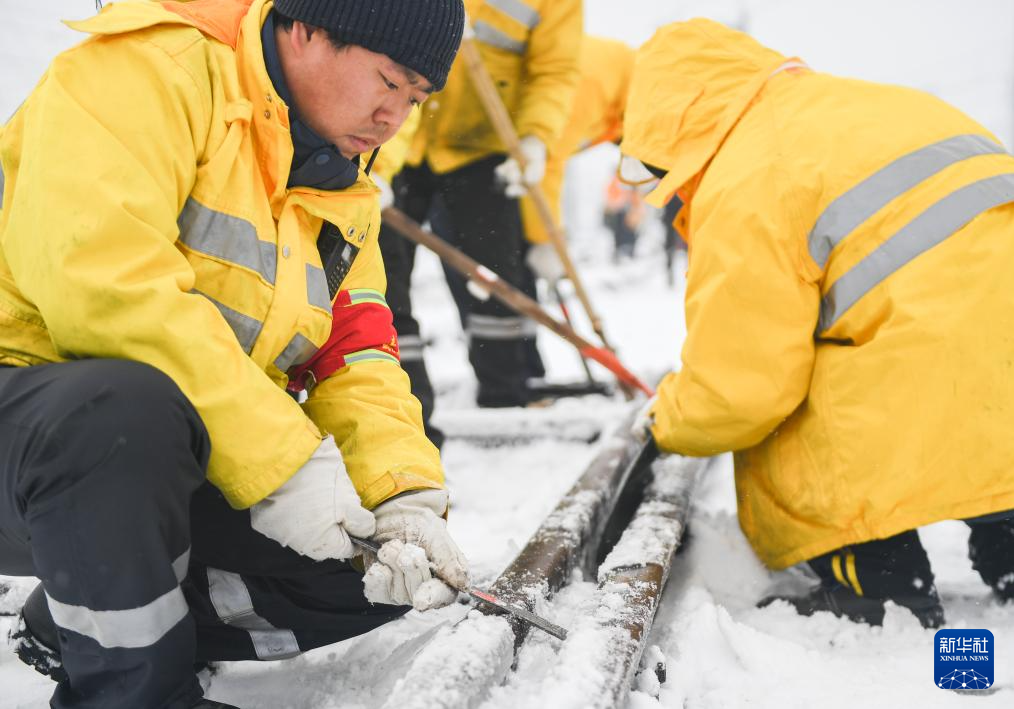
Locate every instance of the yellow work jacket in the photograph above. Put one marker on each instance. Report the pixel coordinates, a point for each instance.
(145, 216)
(848, 304)
(596, 116)
(530, 48)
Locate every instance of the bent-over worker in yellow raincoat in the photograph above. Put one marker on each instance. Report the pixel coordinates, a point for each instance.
(185, 233)
(849, 311)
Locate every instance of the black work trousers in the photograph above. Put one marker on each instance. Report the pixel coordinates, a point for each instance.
(146, 568)
(399, 261)
(467, 208)
(898, 569)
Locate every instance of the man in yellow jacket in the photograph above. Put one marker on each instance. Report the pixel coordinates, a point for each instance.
(457, 164)
(186, 231)
(848, 308)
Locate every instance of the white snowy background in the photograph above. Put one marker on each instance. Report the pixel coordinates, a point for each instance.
(720, 650)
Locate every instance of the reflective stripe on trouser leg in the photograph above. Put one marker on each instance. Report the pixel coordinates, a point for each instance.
(118, 452)
(497, 327)
(129, 628)
(410, 348)
(486, 225)
(498, 350)
(320, 602)
(231, 598)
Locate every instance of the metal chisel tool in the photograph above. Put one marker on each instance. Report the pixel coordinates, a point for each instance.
(517, 611)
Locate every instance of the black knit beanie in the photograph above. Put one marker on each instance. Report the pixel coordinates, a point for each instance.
(422, 35)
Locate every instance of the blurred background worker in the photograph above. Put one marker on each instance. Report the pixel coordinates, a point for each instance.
(530, 48)
(624, 210)
(673, 242)
(848, 312)
(596, 117)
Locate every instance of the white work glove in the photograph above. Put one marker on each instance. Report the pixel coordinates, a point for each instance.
(545, 263)
(640, 429)
(386, 193)
(416, 549)
(315, 510)
(516, 181)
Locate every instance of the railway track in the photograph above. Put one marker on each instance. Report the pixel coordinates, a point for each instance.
(620, 525)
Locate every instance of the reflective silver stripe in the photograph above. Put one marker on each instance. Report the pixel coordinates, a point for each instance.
(316, 288)
(490, 35)
(517, 10)
(232, 602)
(131, 628)
(1, 185)
(226, 237)
(298, 351)
(921, 234)
(358, 296)
(245, 327)
(181, 564)
(410, 348)
(491, 327)
(872, 194)
(369, 356)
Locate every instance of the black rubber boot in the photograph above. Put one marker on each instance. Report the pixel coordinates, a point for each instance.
(33, 638)
(991, 549)
(857, 580)
(836, 599)
(843, 601)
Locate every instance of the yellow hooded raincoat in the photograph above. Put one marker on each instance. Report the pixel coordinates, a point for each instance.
(190, 254)
(849, 311)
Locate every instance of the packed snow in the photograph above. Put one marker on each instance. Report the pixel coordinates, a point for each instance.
(718, 649)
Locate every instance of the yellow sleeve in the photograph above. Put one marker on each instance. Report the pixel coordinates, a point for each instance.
(369, 409)
(393, 153)
(551, 70)
(751, 314)
(108, 159)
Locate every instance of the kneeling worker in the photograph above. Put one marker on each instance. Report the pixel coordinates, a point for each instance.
(848, 312)
(186, 231)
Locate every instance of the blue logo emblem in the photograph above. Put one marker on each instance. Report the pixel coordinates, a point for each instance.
(964, 659)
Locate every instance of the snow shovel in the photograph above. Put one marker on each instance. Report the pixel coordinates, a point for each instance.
(486, 281)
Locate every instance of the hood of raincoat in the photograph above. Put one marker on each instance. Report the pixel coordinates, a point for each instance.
(692, 82)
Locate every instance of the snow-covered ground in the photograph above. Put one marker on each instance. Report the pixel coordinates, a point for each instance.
(721, 651)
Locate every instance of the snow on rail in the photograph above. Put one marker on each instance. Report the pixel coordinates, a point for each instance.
(616, 619)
